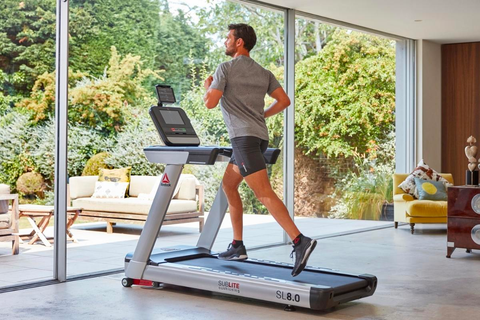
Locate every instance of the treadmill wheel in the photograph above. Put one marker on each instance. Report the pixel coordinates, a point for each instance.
(127, 282)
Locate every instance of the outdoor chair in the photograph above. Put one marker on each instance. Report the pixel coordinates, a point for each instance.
(9, 217)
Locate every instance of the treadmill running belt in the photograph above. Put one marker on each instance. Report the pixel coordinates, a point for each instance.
(340, 283)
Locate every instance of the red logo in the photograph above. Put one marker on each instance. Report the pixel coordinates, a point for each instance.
(165, 179)
(229, 286)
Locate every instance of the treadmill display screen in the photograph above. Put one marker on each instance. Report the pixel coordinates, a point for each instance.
(171, 117)
(165, 94)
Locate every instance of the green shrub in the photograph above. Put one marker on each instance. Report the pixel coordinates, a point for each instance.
(363, 191)
(31, 183)
(127, 151)
(345, 95)
(102, 103)
(94, 164)
(15, 158)
(83, 143)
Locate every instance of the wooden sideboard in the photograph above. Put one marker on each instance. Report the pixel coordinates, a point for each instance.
(463, 218)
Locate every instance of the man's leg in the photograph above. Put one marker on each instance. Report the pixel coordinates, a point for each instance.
(302, 246)
(260, 185)
(231, 180)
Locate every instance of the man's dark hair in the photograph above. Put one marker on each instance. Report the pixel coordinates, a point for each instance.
(246, 33)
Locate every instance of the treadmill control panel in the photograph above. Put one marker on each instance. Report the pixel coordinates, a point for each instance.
(172, 123)
(174, 126)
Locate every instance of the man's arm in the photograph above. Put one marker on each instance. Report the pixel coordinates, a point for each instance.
(212, 96)
(282, 101)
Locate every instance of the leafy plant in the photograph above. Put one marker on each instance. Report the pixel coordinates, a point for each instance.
(30, 183)
(95, 164)
(345, 95)
(362, 192)
(127, 150)
(97, 102)
(15, 156)
(83, 143)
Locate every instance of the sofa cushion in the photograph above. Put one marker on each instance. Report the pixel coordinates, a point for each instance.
(187, 189)
(131, 205)
(142, 184)
(105, 189)
(422, 171)
(116, 175)
(145, 187)
(83, 186)
(431, 190)
(5, 220)
(427, 208)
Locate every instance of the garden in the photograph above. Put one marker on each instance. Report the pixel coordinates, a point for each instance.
(344, 97)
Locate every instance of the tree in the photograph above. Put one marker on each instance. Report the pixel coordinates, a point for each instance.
(268, 25)
(311, 37)
(27, 40)
(180, 47)
(345, 96)
(97, 102)
(130, 26)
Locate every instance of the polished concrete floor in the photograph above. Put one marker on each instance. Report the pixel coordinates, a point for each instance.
(415, 281)
(97, 251)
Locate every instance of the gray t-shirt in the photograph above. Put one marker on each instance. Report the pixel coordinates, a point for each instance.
(244, 84)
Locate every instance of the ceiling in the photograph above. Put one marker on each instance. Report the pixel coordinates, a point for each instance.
(441, 21)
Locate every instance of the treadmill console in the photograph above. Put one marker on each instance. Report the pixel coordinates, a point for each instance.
(165, 94)
(172, 123)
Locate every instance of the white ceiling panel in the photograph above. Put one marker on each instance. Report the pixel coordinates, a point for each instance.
(442, 21)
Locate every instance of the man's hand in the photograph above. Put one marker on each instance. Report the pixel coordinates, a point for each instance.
(212, 96)
(208, 82)
(281, 102)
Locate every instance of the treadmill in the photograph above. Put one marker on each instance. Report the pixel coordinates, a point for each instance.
(198, 267)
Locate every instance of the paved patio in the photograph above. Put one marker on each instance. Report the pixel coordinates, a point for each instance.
(98, 251)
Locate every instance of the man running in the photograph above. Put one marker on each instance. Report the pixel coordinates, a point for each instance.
(240, 85)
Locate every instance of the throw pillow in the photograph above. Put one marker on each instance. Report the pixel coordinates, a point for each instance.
(116, 175)
(422, 171)
(106, 189)
(431, 190)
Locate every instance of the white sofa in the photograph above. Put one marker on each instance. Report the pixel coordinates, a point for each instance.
(187, 204)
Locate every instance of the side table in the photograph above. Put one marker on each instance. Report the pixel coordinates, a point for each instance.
(463, 218)
(45, 213)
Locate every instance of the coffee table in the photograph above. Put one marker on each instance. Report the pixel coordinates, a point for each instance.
(45, 213)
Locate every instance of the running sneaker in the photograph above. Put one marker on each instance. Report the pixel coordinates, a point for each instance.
(302, 253)
(234, 254)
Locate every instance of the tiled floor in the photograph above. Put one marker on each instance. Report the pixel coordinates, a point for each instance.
(98, 251)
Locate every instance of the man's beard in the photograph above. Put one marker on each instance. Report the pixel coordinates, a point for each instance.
(230, 52)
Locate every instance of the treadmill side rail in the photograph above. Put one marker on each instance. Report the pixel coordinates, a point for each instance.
(274, 290)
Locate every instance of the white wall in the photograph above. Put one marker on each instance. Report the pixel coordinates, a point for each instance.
(429, 103)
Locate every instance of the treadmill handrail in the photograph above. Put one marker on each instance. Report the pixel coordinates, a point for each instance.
(170, 157)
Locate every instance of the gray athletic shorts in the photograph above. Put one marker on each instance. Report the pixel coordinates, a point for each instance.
(248, 154)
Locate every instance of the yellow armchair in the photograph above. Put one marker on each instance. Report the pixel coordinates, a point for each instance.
(408, 209)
